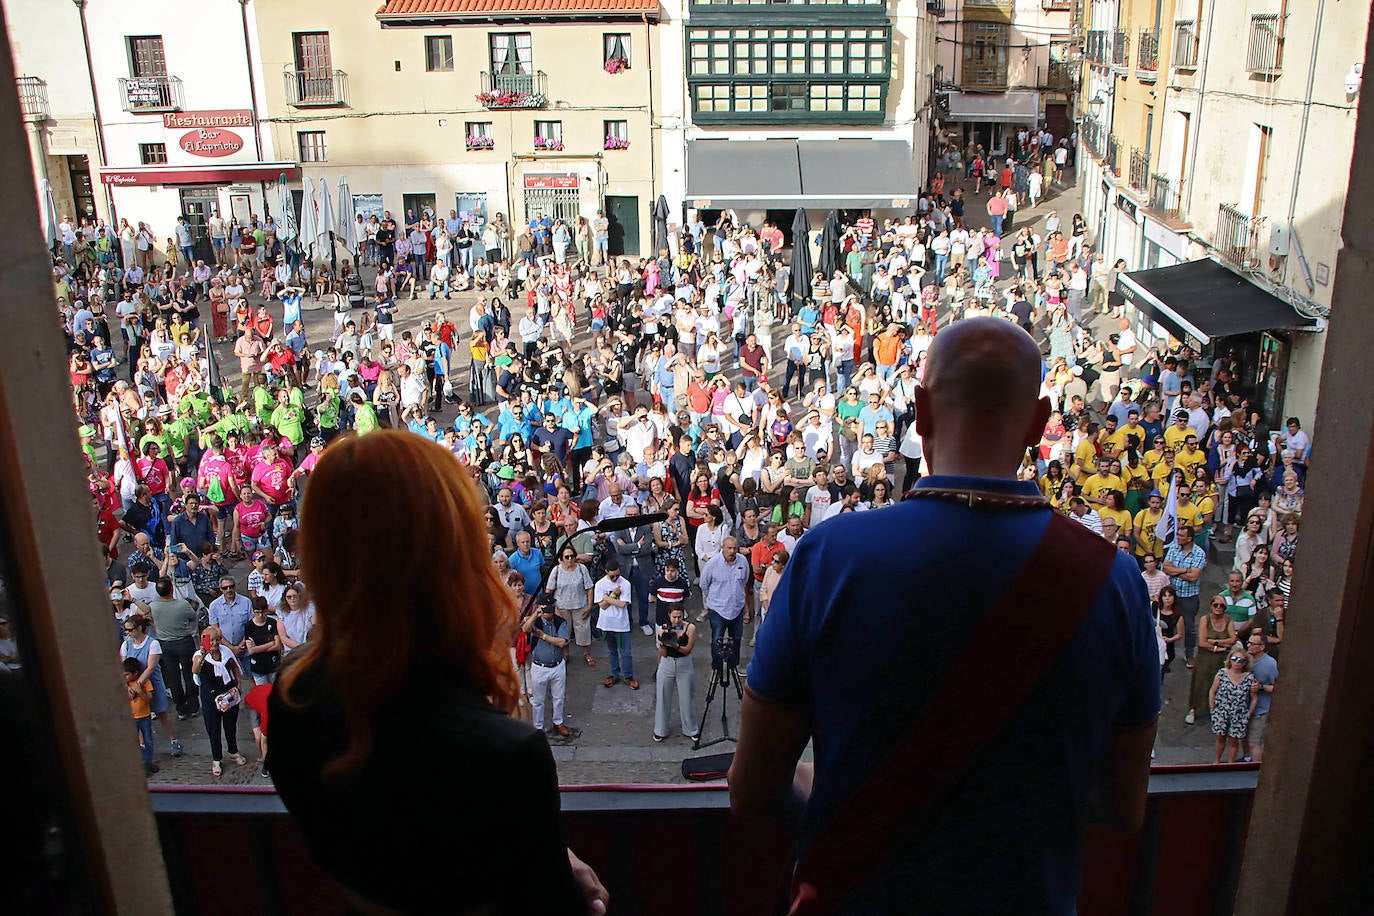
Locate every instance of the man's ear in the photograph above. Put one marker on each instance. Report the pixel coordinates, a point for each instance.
(1035, 430)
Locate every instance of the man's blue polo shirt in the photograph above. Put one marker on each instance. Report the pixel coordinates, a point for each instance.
(870, 610)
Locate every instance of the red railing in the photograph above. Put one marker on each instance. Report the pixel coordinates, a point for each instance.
(1203, 810)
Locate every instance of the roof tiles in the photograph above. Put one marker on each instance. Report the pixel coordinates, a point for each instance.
(439, 9)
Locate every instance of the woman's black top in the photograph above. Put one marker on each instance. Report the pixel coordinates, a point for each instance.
(445, 763)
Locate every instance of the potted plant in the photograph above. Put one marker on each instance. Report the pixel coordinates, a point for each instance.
(616, 65)
(614, 142)
(480, 142)
(540, 143)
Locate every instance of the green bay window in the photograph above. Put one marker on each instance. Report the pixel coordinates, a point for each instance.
(786, 72)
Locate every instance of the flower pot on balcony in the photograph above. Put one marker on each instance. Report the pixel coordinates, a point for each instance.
(615, 143)
(547, 146)
(616, 65)
(479, 144)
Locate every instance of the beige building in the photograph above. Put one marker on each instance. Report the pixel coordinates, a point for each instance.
(513, 106)
(1220, 177)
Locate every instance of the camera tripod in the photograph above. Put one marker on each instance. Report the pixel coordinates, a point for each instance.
(721, 674)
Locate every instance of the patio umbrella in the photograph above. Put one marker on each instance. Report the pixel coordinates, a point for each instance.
(348, 218)
(48, 214)
(325, 229)
(661, 222)
(801, 260)
(309, 227)
(828, 261)
(287, 230)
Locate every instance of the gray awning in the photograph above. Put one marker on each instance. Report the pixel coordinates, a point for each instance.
(789, 174)
(1015, 107)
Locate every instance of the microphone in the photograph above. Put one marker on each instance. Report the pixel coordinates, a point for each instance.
(629, 521)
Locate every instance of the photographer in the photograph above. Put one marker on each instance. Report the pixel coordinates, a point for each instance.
(676, 640)
(548, 635)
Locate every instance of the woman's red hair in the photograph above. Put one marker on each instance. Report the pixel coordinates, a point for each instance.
(399, 580)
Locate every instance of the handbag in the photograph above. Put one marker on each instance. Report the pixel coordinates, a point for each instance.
(925, 763)
(228, 700)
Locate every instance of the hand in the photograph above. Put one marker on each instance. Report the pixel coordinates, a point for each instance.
(598, 898)
(133, 694)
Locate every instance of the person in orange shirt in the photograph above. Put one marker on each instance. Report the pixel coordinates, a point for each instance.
(142, 712)
(887, 348)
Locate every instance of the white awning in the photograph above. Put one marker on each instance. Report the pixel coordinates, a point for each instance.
(1016, 107)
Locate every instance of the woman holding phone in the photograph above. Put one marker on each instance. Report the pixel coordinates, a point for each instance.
(221, 692)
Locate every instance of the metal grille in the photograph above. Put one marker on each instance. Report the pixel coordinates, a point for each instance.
(1139, 172)
(1185, 44)
(1147, 50)
(33, 98)
(146, 56)
(555, 203)
(1164, 195)
(1262, 55)
(1238, 235)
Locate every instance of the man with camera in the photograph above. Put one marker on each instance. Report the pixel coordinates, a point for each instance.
(676, 639)
(548, 635)
(725, 591)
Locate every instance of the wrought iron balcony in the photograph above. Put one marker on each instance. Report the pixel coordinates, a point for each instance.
(1165, 196)
(514, 90)
(1139, 172)
(33, 98)
(1118, 48)
(1112, 152)
(1185, 44)
(1091, 133)
(1238, 236)
(1061, 75)
(1147, 55)
(150, 93)
(316, 88)
(1264, 54)
(935, 7)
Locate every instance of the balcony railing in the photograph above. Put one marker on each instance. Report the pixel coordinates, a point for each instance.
(1139, 172)
(1091, 132)
(1263, 54)
(1119, 48)
(150, 93)
(935, 7)
(514, 90)
(1147, 54)
(1108, 47)
(1238, 236)
(1185, 44)
(33, 98)
(1061, 75)
(1112, 152)
(1165, 196)
(1056, 6)
(316, 88)
(980, 77)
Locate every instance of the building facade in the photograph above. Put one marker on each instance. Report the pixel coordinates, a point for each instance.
(515, 107)
(767, 108)
(1235, 148)
(1007, 64)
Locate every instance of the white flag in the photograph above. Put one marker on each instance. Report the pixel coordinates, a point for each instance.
(1167, 526)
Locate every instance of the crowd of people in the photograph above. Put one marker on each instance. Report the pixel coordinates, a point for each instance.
(699, 383)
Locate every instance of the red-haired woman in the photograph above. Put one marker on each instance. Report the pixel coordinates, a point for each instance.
(351, 703)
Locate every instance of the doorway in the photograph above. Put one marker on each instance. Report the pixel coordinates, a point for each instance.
(419, 204)
(622, 211)
(198, 204)
(83, 195)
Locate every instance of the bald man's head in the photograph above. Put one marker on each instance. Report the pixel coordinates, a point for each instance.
(984, 365)
(979, 406)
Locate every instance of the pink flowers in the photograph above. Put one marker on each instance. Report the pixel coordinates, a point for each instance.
(541, 143)
(616, 65)
(480, 142)
(614, 142)
(509, 98)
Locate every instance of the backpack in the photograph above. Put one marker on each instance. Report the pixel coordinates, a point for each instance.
(215, 491)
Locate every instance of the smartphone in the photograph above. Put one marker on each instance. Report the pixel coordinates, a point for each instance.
(205, 643)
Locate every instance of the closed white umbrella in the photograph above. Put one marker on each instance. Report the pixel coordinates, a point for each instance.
(286, 223)
(324, 229)
(348, 218)
(309, 219)
(47, 208)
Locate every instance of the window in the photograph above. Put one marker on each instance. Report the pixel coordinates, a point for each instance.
(438, 53)
(512, 53)
(146, 56)
(479, 129)
(548, 134)
(617, 129)
(787, 96)
(985, 55)
(152, 153)
(312, 146)
(616, 46)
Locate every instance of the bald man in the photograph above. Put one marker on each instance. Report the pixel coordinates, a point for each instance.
(877, 611)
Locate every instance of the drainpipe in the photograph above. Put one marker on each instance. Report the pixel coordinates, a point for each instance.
(253, 100)
(95, 103)
(1302, 131)
(1203, 54)
(653, 165)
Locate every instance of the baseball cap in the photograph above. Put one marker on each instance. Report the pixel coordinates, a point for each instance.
(545, 600)
(258, 555)
(317, 442)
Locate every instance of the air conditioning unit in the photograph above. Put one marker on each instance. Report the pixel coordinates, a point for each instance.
(1278, 240)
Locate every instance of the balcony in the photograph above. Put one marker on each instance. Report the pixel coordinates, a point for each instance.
(935, 7)
(1061, 75)
(983, 77)
(1147, 55)
(140, 94)
(1118, 49)
(1166, 196)
(1185, 44)
(316, 88)
(1139, 172)
(1056, 6)
(1202, 809)
(33, 98)
(988, 10)
(1264, 53)
(514, 90)
(1238, 237)
(1111, 154)
(1090, 132)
